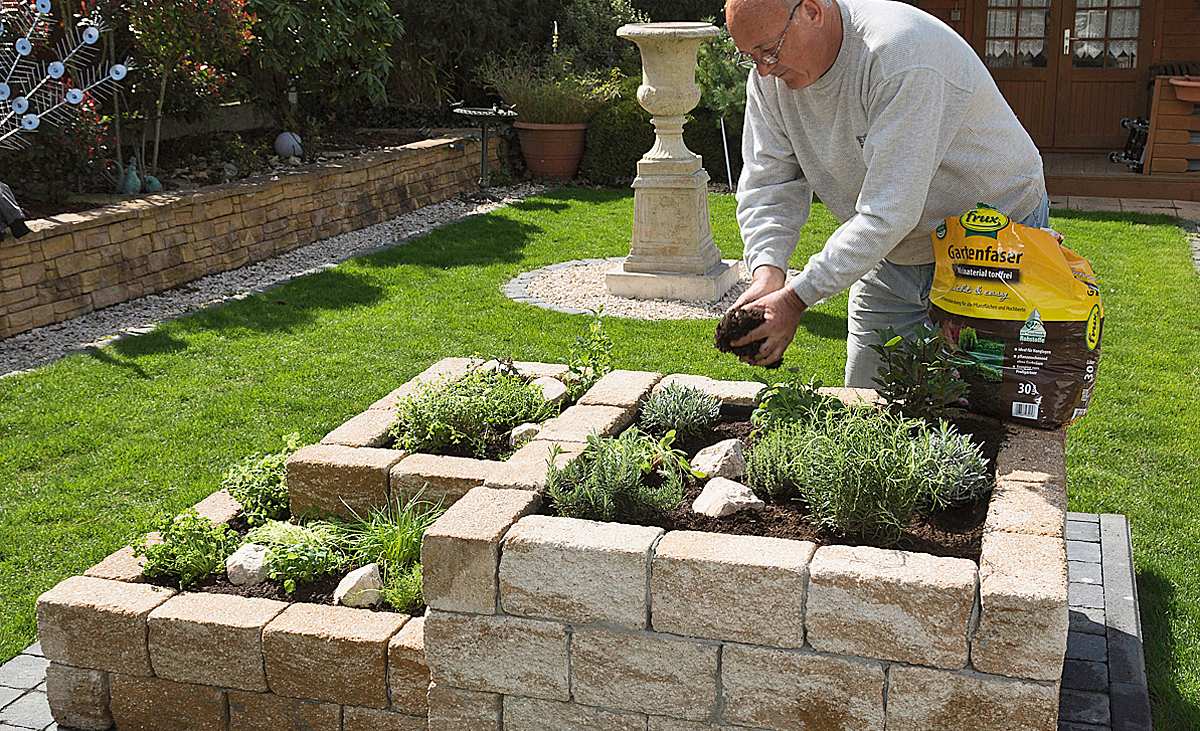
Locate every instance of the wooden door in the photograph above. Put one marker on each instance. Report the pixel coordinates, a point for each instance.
(1016, 40)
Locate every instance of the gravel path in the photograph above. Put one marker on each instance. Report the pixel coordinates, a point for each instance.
(47, 344)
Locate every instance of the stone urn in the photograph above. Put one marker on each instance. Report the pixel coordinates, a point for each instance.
(672, 255)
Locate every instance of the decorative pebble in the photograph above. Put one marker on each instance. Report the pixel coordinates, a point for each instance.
(360, 588)
(722, 497)
(723, 459)
(247, 566)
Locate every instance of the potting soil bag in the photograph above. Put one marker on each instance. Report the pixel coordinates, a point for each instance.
(1022, 314)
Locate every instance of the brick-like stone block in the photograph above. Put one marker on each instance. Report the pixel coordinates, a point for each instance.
(854, 396)
(1023, 618)
(270, 712)
(723, 586)
(78, 698)
(438, 478)
(121, 565)
(460, 553)
(454, 709)
(921, 699)
(330, 653)
(445, 370)
(219, 507)
(577, 571)
(534, 369)
(328, 479)
(1032, 455)
(529, 714)
(98, 624)
(794, 689)
(1033, 506)
(154, 704)
(730, 393)
(526, 468)
(371, 428)
(497, 654)
(211, 639)
(577, 423)
(891, 605)
(644, 672)
(408, 673)
(370, 719)
(621, 388)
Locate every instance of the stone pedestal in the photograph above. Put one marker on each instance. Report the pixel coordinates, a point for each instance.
(672, 255)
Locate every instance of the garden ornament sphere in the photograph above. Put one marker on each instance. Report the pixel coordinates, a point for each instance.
(288, 144)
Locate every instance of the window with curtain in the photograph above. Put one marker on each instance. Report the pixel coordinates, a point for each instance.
(1016, 33)
(1106, 34)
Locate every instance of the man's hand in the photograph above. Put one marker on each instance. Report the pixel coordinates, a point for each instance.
(765, 280)
(782, 309)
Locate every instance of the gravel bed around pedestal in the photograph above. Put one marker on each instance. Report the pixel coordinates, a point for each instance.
(103, 327)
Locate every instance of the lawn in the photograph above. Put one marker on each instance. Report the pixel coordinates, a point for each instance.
(93, 447)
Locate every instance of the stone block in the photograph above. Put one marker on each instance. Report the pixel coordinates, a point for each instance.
(1032, 455)
(526, 468)
(438, 478)
(891, 605)
(723, 586)
(533, 369)
(211, 639)
(529, 714)
(120, 565)
(327, 479)
(644, 672)
(369, 429)
(730, 393)
(154, 704)
(577, 423)
(219, 507)
(98, 624)
(446, 369)
(497, 654)
(1036, 506)
(270, 712)
(328, 653)
(1023, 619)
(78, 698)
(577, 571)
(454, 709)
(788, 690)
(621, 388)
(370, 719)
(408, 673)
(460, 553)
(854, 396)
(921, 699)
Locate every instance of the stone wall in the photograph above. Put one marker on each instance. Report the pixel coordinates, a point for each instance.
(76, 263)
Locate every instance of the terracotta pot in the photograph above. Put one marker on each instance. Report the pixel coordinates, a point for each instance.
(552, 150)
(1187, 89)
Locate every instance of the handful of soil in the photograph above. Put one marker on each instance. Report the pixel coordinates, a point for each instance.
(737, 324)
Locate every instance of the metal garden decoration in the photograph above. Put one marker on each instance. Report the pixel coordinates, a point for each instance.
(35, 92)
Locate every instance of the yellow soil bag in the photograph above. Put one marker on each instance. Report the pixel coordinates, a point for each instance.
(1022, 314)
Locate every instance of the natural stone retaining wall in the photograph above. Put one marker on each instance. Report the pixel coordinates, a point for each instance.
(72, 263)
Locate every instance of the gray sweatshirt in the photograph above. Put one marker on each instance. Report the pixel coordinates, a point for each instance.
(906, 128)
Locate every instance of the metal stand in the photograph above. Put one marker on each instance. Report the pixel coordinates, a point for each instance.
(484, 117)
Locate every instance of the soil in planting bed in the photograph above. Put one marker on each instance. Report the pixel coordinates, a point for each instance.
(737, 324)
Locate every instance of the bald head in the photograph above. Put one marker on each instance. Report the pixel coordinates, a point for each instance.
(805, 36)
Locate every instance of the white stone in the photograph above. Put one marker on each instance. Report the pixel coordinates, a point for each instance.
(723, 459)
(248, 565)
(722, 497)
(360, 588)
(523, 434)
(553, 390)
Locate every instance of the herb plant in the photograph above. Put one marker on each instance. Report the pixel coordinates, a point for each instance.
(391, 536)
(685, 410)
(259, 483)
(301, 554)
(193, 547)
(956, 472)
(590, 357)
(402, 589)
(919, 378)
(792, 400)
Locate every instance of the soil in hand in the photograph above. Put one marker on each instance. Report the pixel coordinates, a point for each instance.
(737, 324)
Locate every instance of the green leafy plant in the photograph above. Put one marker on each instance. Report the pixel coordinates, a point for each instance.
(682, 409)
(631, 477)
(549, 91)
(471, 416)
(590, 357)
(956, 472)
(301, 554)
(259, 483)
(402, 589)
(792, 400)
(391, 536)
(193, 547)
(722, 81)
(919, 377)
(588, 33)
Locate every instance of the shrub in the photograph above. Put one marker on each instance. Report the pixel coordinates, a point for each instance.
(792, 400)
(632, 477)
(687, 411)
(588, 34)
(956, 471)
(259, 483)
(662, 11)
(549, 92)
(590, 357)
(918, 376)
(193, 547)
(471, 416)
(301, 554)
(402, 590)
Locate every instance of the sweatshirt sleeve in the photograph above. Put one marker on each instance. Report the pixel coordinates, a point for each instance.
(773, 198)
(902, 150)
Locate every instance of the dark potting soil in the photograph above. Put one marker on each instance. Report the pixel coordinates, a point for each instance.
(737, 324)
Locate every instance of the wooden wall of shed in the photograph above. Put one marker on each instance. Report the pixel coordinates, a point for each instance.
(1178, 32)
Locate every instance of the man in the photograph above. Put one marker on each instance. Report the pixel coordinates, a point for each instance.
(892, 119)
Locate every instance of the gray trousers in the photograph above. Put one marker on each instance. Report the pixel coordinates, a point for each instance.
(895, 296)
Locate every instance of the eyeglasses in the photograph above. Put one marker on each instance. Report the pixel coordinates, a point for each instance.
(770, 58)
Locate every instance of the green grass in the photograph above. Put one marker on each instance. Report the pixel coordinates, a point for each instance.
(92, 447)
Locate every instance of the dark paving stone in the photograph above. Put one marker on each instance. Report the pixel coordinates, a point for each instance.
(23, 671)
(1085, 595)
(1084, 517)
(1085, 573)
(1087, 647)
(1083, 551)
(1078, 530)
(34, 649)
(1130, 706)
(1084, 707)
(1085, 675)
(1088, 621)
(1061, 727)
(30, 711)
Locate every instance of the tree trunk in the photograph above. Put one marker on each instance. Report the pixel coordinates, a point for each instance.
(162, 95)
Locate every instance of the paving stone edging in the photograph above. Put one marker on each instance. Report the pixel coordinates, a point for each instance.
(517, 288)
